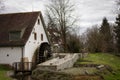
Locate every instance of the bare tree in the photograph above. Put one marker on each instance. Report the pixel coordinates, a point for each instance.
(74, 43)
(118, 6)
(60, 13)
(118, 2)
(93, 41)
(2, 6)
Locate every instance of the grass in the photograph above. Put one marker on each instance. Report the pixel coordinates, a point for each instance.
(80, 70)
(102, 58)
(106, 59)
(3, 73)
(110, 76)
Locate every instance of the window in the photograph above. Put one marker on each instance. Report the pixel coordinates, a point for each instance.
(41, 37)
(14, 35)
(38, 21)
(35, 36)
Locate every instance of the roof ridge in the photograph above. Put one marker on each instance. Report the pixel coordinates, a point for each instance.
(21, 12)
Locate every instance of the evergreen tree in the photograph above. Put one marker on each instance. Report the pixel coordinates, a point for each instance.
(117, 32)
(104, 26)
(106, 36)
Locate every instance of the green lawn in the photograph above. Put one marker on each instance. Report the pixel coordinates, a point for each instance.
(3, 72)
(106, 59)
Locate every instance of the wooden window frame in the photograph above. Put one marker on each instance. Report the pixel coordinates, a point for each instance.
(39, 21)
(12, 35)
(35, 36)
(41, 37)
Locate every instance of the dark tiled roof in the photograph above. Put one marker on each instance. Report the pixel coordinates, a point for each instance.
(16, 22)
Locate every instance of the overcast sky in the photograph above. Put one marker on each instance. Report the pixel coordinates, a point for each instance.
(90, 12)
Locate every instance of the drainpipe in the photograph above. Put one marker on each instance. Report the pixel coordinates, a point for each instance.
(22, 58)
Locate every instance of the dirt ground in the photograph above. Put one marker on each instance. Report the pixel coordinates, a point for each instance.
(87, 77)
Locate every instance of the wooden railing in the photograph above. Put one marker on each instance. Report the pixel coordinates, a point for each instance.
(23, 66)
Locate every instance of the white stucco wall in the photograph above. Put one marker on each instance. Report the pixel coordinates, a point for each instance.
(14, 55)
(32, 44)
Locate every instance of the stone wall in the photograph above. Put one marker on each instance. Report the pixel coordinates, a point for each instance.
(60, 63)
